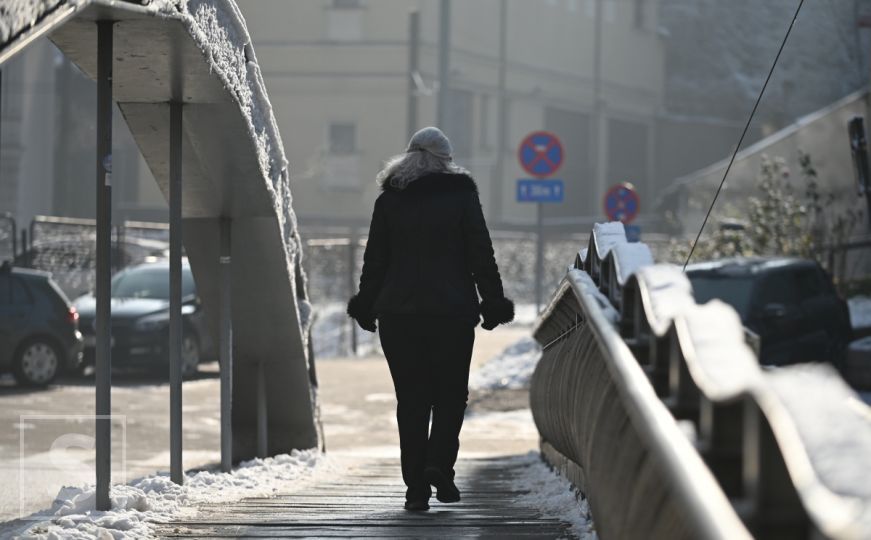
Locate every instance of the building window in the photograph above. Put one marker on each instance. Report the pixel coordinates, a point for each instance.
(345, 20)
(347, 4)
(342, 162)
(342, 139)
(640, 14)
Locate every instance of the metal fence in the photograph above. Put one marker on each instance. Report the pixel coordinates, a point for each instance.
(66, 247)
(333, 260)
(658, 409)
(8, 238)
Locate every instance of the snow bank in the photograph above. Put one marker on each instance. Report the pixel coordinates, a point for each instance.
(553, 495)
(860, 311)
(156, 498)
(511, 369)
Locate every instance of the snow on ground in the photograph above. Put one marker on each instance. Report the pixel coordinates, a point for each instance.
(510, 369)
(860, 311)
(553, 495)
(156, 498)
(525, 314)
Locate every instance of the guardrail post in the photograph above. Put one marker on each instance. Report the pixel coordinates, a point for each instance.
(175, 321)
(720, 442)
(683, 396)
(658, 361)
(103, 367)
(775, 509)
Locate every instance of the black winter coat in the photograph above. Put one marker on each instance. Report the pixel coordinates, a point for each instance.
(428, 249)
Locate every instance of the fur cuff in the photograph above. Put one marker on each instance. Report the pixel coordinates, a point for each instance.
(497, 311)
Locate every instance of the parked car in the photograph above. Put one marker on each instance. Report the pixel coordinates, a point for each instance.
(140, 320)
(789, 303)
(39, 334)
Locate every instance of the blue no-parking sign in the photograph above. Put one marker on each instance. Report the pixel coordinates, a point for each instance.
(542, 191)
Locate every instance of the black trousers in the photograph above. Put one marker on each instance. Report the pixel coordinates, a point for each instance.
(429, 361)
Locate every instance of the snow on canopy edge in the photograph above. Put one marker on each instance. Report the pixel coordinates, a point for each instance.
(219, 29)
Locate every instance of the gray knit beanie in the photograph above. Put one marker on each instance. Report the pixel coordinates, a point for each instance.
(432, 140)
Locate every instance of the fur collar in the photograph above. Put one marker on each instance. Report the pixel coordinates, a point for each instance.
(437, 183)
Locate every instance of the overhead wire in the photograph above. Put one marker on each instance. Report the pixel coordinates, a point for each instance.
(743, 134)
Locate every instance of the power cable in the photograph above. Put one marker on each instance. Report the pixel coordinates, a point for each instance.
(743, 134)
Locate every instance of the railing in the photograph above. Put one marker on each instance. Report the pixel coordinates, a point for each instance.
(657, 407)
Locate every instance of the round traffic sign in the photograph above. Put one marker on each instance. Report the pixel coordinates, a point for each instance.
(622, 203)
(540, 153)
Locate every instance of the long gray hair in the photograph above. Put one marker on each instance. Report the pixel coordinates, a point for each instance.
(429, 151)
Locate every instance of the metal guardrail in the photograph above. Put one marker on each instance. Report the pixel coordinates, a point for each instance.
(658, 408)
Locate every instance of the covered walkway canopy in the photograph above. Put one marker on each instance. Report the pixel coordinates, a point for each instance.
(186, 79)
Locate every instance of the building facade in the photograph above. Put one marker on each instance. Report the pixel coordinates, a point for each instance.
(338, 74)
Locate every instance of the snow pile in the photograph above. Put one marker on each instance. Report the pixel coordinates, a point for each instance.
(860, 311)
(630, 258)
(511, 369)
(157, 498)
(836, 436)
(607, 235)
(585, 284)
(553, 495)
(670, 294)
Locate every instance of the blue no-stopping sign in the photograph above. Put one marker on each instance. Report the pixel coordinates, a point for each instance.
(622, 203)
(542, 191)
(540, 153)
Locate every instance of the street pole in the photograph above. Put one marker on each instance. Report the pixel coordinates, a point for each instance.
(598, 117)
(444, 62)
(352, 264)
(175, 322)
(502, 120)
(103, 368)
(413, 69)
(226, 347)
(539, 257)
(262, 411)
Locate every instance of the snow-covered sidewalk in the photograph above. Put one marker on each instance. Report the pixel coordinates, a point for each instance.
(136, 507)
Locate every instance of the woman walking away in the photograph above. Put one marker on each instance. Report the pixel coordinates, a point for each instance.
(428, 249)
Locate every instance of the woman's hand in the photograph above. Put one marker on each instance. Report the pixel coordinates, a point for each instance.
(496, 312)
(358, 311)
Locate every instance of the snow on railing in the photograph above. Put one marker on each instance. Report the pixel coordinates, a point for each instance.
(788, 448)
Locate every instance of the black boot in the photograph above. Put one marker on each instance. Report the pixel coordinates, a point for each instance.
(417, 500)
(444, 483)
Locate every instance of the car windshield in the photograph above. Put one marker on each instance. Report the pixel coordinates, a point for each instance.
(149, 283)
(734, 290)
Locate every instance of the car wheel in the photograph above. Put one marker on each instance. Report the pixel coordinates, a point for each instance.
(190, 356)
(36, 363)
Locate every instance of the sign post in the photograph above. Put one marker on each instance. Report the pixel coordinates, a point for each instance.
(541, 155)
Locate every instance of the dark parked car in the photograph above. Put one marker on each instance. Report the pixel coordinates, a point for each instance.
(790, 303)
(39, 335)
(140, 320)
